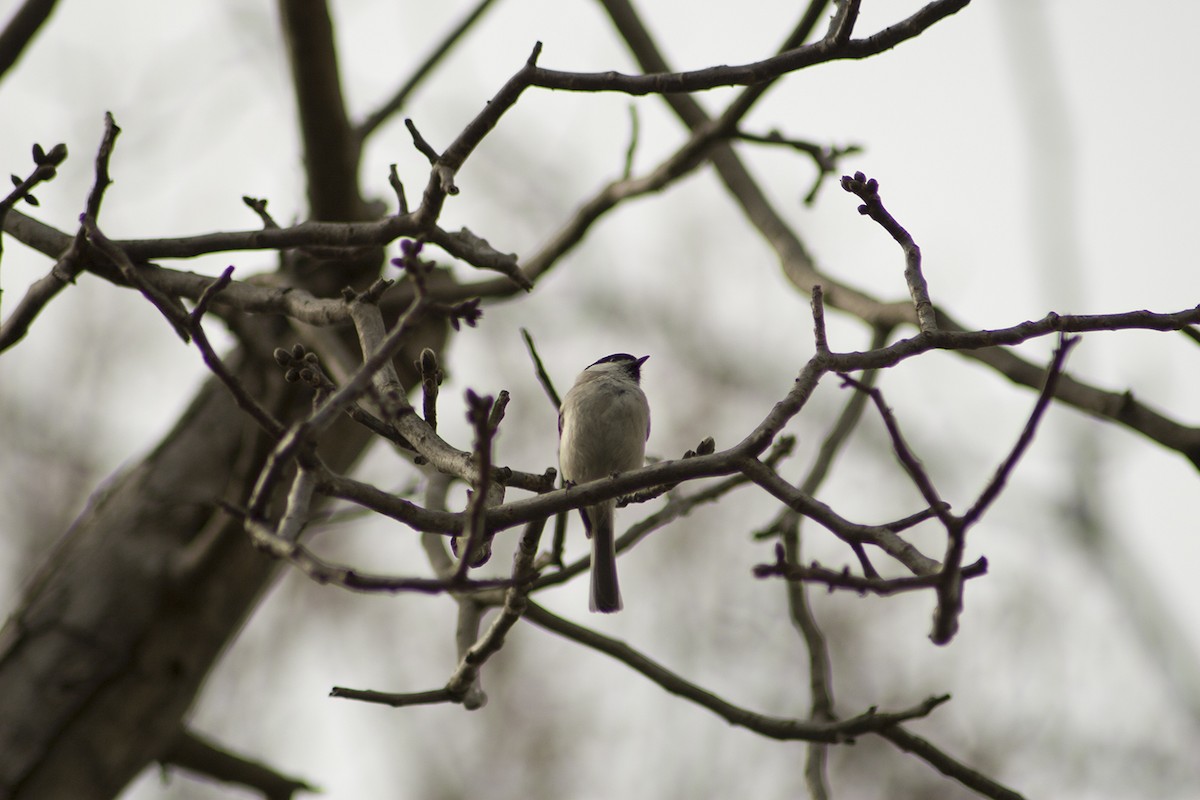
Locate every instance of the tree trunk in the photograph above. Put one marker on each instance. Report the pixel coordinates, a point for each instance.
(131, 611)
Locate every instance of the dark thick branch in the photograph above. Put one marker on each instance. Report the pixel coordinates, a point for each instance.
(832, 48)
(21, 29)
(196, 754)
(331, 148)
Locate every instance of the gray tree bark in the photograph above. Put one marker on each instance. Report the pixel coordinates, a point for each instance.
(116, 632)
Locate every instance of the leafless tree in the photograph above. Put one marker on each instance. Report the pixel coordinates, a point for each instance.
(114, 637)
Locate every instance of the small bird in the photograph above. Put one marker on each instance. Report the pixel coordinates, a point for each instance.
(602, 430)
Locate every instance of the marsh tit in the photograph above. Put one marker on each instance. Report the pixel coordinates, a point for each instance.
(602, 430)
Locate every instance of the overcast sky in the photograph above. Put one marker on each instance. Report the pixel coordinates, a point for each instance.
(1043, 155)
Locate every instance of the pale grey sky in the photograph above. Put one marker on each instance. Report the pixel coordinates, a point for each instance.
(955, 127)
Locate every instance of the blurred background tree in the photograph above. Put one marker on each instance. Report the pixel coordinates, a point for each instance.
(1025, 157)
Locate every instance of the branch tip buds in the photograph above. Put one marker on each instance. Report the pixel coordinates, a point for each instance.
(56, 156)
(427, 366)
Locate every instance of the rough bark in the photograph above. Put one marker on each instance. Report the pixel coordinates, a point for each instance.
(117, 632)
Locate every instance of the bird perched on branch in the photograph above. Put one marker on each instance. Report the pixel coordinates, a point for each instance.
(602, 430)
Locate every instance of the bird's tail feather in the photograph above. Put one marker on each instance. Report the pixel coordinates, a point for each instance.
(606, 593)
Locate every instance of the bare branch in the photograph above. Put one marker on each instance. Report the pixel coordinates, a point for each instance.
(194, 753)
(843, 579)
(377, 368)
(102, 179)
(394, 700)
(1000, 478)
(21, 29)
(169, 307)
(882, 536)
(331, 147)
(259, 206)
(948, 766)
(842, 24)
(463, 686)
(299, 501)
(41, 292)
(540, 369)
(477, 252)
(846, 422)
(440, 50)
(771, 727)
(398, 187)
(680, 505)
(950, 588)
(828, 49)
(820, 337)
(912, 465)
(868, 192)
(631, 150)
(427, 150)
(515, 603)
(324, 572)
(477, 548)
(824, 157)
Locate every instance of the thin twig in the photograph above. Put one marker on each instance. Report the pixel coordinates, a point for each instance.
(820, 336)
(259, 206)
(825, 157)
(631, 150)
(515, 603)
(833, 443)
(842, 24)
(867, 190)
(843, 579)
(950, 587)
(423, 147)
(772, 727)
(169, 307)
(102, 179)
(996, 485)
(395, 700)
(218, 286)
(912, 465)
(325, 572)
(212, 360)
(477, 548)
(540, 368)
(299, 502)
(41, 292)
(439, 52)
(398, 187)
(947, 765)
